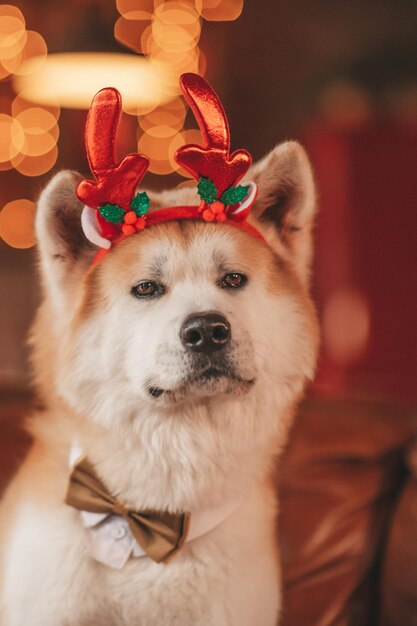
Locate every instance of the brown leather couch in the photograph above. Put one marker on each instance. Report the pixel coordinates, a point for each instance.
(348, 523)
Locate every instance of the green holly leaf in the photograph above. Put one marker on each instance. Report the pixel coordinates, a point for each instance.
(140, 204)
(207, 190)
(112, 213)
(233, 195)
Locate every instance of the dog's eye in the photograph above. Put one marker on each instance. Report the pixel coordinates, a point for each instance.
(234, 280)
(148, 289)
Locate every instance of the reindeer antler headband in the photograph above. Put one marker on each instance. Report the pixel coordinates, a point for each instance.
(114, 211)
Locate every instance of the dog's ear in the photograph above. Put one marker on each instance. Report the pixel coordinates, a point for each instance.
(285, 206)
(64, 250)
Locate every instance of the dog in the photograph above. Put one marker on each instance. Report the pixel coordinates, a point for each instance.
(176, 365)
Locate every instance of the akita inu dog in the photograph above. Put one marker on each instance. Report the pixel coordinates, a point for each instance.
(173, 364)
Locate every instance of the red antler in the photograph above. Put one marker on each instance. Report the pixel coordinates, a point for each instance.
(115, 182)
(213, 160)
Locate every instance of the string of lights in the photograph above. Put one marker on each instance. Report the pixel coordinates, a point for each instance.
(164, 36)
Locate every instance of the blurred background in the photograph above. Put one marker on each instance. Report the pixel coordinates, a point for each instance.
(339, 76)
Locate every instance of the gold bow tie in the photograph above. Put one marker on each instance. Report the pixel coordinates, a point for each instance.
(160, 535)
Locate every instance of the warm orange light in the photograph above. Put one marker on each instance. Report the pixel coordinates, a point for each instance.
(210, 4)
(179, 14)
(202, 63)
(346, 324)
(20, 103)
(12, 36)
(172, 38)
(172, 115)
(16, 223)
(176, 27)
(221, 10)
(73, 78)
(160, 144)
(146, 40)
(194, 4)
(35, 166)
(5, 166)
(36, 118)
(160, 118)
(129, 33)
(174, 60)
(160, 167)
(28, 137)
(10, 10)
(140, 109)
(177, 107)
(3, 72)
(135, 9)
(31, 58)
(12, 138)
(173, 64)
(162, 131)
(41, 131)
(193, 135)
(156, 148)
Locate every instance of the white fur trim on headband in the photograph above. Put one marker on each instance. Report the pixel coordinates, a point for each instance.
(253, 190)
(90, 228)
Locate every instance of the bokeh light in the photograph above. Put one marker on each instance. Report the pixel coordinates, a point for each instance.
(21, 103)
(40, 129)
(346, 325)
(31, 58)
(221, 10)
(155, 148)
(344, 105)
(35, 165)
(171, 114)
(135, 9)
(16, 223)
(192, 135)
(12, 137)
(28, 134)
(167, 32)
(171, 42)
(13, 38)
(129, 32)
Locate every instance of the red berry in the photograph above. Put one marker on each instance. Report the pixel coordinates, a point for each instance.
(217, 207)
(130, 217)
(208, 215)
(221, 217)
(128, 229)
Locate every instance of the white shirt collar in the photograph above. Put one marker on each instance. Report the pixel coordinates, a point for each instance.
(110, 539)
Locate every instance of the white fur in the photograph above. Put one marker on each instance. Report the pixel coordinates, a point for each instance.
(202, 446)
(90, 228)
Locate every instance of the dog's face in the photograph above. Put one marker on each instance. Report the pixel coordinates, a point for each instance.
(184, 313)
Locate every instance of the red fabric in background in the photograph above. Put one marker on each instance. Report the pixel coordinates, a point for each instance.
(367, 236)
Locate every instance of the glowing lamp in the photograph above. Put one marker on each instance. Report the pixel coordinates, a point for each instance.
(72, 79)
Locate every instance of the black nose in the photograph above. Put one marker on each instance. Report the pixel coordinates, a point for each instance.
(205, 332)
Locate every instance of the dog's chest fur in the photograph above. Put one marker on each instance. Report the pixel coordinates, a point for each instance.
(98, 354)
(228, 577)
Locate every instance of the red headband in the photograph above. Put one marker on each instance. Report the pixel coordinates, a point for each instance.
(111, 201)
